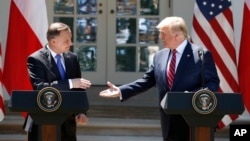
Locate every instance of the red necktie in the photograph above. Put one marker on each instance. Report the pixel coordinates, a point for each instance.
(171, 69)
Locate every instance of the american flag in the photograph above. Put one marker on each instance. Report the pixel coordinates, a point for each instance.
(2, 111)
(213, 28)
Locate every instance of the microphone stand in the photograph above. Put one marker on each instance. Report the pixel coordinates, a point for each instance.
(48, 56)
(201, 56)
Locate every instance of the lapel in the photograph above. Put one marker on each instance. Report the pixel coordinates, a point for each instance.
(67, 64)
(165, 65)
(161, 68)
(185, 58)
(54, 68)
(50, 63)
(45, 53)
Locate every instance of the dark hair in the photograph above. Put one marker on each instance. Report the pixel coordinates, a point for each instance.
(55, 29)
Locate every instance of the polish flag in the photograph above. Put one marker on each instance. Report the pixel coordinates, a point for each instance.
(244, 62)
(2, 110)
(28, 25)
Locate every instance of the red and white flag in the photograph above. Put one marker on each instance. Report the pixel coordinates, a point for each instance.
(244, 57)
(26, 33)
(213, 28)
(2, 110)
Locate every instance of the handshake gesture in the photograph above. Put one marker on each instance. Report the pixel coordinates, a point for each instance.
(112, 91)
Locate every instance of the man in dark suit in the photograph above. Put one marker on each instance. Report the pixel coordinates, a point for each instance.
(188, 75)
(44, 72)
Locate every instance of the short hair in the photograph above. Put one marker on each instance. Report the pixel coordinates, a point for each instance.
(55, 29)
(174, 24)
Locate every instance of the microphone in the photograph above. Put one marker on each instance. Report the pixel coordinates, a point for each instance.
(48, 56)
(201, 53)
(201, 56)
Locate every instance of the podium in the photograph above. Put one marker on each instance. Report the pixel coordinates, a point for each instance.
(49, 108)
(202, 110)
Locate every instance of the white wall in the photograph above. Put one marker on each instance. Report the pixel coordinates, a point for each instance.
(4, 19)
(184, 8)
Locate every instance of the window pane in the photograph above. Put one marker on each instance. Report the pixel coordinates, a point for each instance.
(86, 6)
(149, 7)
(87, 57)
(148, 33)
(86, 30)
(125, 59)
(125, 30)
(126, 7)
(64, 7)
(146, 57)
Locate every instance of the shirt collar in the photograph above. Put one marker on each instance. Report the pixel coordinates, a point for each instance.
(181, 47)
(52, 52)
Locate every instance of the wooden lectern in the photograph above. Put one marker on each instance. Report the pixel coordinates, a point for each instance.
(202, 110)
(49, 108)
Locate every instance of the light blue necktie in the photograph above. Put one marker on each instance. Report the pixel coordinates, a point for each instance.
(60, 66)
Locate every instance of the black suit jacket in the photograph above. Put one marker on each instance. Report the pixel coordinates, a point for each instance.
(43, 72)
(187, 78)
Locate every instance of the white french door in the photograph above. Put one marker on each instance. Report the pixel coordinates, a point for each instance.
(115, 39)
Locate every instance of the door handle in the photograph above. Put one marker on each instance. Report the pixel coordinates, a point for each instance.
(112, 11)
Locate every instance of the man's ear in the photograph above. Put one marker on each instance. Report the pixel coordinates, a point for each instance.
(53, 41)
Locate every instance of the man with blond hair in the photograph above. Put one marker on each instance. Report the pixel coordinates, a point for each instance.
(176, 68)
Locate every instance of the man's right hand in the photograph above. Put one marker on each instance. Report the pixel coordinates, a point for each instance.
(81, 83)
(113, 91)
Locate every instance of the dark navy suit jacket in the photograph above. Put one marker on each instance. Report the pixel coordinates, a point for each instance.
(187, 78)
(43, 72)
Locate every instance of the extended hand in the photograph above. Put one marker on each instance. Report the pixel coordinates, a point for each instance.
(113, 91)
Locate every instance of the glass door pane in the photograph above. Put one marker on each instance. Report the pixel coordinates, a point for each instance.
(86, 40)
(87, 20)
(91, 39)
(136, 38)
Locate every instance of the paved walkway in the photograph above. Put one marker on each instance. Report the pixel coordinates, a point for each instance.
(105, 129)
(98, 138)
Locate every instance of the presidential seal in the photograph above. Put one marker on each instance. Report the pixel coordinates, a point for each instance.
(49, 99)
(204, 101)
